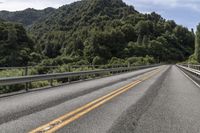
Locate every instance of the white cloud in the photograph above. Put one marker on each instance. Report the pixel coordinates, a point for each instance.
(191, 4)
(158, 2)
(185, 12)
(13, 5)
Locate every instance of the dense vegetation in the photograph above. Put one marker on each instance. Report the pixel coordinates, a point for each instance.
(197, 44)
(103, 32)
(15, 45)
(195, 58)
(95, 31)
(26, 17)
(88, 32)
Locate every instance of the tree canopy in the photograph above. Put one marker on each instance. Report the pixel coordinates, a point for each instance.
(96, 31)
(15, 45)
(197, 44)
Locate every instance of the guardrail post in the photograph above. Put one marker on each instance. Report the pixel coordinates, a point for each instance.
(128, 64)
(26, 73)
(26, 87)
(51, 82)
(69, 69)
(68, 79)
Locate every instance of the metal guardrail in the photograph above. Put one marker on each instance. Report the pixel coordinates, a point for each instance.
(35, 78)
(73, 66)
(190, 68)
(27, 70)
(196, 66)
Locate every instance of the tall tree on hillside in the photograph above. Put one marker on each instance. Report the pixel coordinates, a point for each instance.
(145, 40)
(197, 44)
(139, 40)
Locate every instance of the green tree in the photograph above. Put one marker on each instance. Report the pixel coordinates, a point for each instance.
(129, 32)
(15, 45)
(197, 44)
(97, 61)
(144, 27)
(139, 40)
(145, 40)
(98, 28)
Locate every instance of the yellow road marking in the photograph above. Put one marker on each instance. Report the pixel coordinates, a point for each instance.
(83, 107)
(77, 113)
(89, 109)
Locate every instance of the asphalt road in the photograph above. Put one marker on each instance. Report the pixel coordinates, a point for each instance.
(24, 112)
(166, 102)
(176, 109)
(24, 104)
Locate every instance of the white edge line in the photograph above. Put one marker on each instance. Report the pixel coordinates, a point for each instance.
(189, 77)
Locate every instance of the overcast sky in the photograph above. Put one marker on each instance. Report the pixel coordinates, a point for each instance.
(185, 12)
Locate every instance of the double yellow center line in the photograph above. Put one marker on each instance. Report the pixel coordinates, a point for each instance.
(64, 120)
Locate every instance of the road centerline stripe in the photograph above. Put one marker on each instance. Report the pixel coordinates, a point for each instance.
(83, 107)
(89, 109)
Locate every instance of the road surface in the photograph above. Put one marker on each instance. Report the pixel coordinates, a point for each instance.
(154, 100)
(176, 109)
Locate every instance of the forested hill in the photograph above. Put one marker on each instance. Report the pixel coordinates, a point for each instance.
(26, 17)
(15, 45)
(107, 31)
(109, 28)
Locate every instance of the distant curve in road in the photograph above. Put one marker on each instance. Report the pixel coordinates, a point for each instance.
(176, 109)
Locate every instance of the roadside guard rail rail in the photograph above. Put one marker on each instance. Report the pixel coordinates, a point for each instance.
(55, 76)
(197, 67)
(194, 69)
(72, 66)
(30, 70)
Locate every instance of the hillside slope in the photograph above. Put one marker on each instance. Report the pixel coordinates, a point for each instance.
(26, 17)
(15, 45)
(101, 32)
(103, 29)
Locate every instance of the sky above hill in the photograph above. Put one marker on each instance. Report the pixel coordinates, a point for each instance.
(185, 12)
